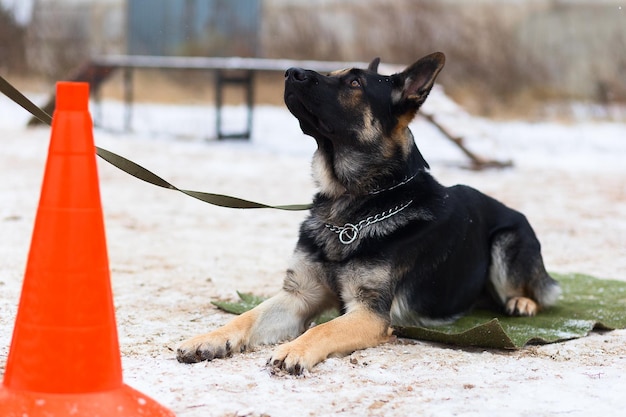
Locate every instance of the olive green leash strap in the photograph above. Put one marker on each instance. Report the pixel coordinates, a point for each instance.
(12, 93)
(140, 172)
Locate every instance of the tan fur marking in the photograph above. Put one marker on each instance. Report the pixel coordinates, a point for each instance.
(339, 73)
(399, 137)
(235, 333)
(498, 271)
(371, 131)
(350, 99)
(521, 306)
(324, 177)
(355, 276)
(358, 329)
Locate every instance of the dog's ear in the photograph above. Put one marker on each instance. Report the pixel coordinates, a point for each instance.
(373, 66)
(418, 79)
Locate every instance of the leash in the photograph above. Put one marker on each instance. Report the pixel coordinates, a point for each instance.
(140, 172)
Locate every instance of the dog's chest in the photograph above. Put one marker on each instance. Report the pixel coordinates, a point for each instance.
(319, 230)
(343, 232)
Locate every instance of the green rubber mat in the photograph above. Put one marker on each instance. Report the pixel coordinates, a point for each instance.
(587, 303)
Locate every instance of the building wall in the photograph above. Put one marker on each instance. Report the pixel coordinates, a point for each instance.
(193, 27)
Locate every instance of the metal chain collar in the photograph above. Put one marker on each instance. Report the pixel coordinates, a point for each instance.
(401, 183)
(349, 232)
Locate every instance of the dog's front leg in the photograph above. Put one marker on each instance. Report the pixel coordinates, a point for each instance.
(280, 318)
(219, 343)
(272, 321)
(357, 329)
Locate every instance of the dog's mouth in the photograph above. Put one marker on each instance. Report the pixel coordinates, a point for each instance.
(306, 115)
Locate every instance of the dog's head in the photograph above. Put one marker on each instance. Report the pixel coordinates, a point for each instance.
(360, 120)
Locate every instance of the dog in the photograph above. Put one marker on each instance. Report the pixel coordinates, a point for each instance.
(384, 242)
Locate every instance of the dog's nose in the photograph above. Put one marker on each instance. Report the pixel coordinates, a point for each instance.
(296, 74)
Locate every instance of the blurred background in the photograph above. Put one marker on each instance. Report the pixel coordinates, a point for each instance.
(506, 58)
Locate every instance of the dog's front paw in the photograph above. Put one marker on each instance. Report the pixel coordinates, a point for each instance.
(294, 358)
(206, 347)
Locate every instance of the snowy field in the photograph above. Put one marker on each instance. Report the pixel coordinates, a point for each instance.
(170, 255)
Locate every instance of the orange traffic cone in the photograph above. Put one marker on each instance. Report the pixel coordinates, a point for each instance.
(64, 358)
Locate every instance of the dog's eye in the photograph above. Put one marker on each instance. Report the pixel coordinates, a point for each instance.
(355, 83)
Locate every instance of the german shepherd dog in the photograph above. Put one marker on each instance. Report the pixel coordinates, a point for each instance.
(384, 241)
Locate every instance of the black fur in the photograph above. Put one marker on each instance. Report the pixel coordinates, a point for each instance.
(439, 249)
(384, 241)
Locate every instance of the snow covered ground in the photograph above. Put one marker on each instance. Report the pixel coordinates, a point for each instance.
(170, 255)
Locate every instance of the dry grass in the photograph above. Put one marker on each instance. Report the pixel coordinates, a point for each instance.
(12, 38)
(492, 69)
(484, 55)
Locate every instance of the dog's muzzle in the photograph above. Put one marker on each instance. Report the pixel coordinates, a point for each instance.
(298, 83)
(296, 74)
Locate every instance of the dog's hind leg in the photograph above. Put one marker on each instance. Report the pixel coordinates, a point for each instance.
(280, 318)
(517, 276)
